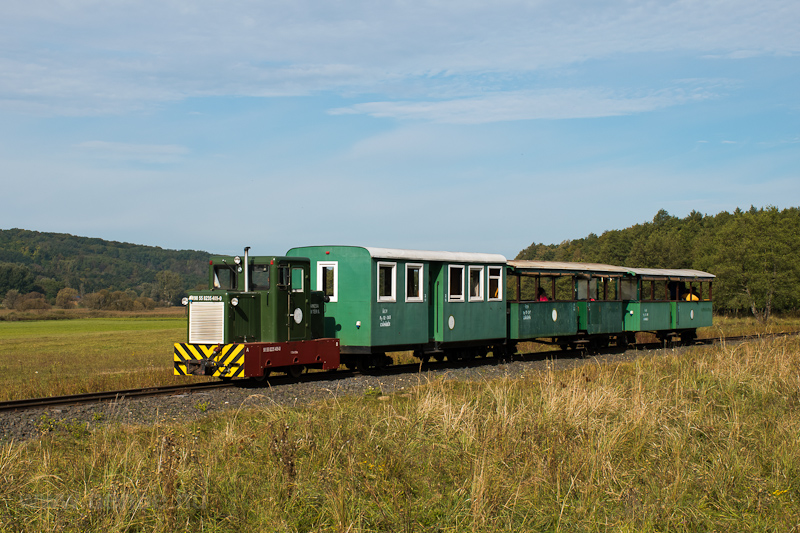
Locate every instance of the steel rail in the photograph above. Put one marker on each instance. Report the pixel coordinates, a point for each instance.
(109, 396)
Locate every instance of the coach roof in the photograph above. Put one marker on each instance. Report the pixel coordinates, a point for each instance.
(563, 266)
(426, 255)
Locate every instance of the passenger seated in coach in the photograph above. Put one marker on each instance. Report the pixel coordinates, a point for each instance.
(676, 290)
(692, 295)
(541, 296)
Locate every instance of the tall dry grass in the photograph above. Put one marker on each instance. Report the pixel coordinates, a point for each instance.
(706, 440)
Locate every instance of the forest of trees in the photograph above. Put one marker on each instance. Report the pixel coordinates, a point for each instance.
(753, 253)
(38, 270)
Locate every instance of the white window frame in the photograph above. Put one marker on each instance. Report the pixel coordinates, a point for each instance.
(450, 296)
(499, 278)
(420, 296)
(479, 297)
(321, 266)
(393, 296)
(302, 279)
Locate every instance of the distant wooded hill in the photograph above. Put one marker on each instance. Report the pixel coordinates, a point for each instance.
(754, 254)
(48, 262)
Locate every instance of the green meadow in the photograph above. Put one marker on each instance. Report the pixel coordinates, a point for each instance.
(55, 357)
(87, 354)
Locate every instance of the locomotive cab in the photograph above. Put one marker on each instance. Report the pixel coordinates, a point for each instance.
(252, 303)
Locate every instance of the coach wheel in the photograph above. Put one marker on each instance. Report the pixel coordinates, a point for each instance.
(454, 355)
(688, 337)
(294, 371)
(381, 360)
(439, 357)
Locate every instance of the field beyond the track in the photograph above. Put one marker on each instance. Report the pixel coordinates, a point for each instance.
(120, 350)
(55, 357)
(697, 439)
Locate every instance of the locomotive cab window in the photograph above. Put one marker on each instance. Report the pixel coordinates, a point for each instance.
(297, 279)
(328, 279)
(387, 281)
(414, 283)
(259, 278)
(283, 277)
(475, 283)
(225, 277)
(456, 283)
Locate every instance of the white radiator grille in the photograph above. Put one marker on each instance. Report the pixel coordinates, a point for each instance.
(206, 322)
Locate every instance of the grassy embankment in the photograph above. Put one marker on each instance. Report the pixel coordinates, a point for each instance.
(699, 440)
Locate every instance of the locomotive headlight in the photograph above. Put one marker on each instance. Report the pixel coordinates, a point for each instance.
(234, 301)
(237, 260)
(185, 300)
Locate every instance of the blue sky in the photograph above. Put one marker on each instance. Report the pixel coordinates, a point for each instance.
(444, 125)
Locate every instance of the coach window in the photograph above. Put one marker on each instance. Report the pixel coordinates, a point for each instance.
(414, 283)
(456, 293)
(387, 281)
(476, 284)
(328, 279)
(629, 289)
(586, 287)
(297, 279)
(259, 278)
(225, 277)
(495, 284)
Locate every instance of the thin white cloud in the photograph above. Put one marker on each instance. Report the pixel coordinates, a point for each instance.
(90, 57)
(524, 105)
(143, 153)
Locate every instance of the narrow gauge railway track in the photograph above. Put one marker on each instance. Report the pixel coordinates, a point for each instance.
(169, 390)
(108, 396)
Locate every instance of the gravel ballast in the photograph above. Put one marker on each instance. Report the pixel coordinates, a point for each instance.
(33, 423)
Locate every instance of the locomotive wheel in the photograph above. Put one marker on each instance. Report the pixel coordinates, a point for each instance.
(263, 376)
(294, 371)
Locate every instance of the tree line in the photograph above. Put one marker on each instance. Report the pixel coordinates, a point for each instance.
(753, 253)
(39, 270)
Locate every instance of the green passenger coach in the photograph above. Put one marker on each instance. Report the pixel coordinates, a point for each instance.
(434, 303)
(576, 305)
(671, 303)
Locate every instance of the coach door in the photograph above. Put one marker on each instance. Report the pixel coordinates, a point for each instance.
(436, 294)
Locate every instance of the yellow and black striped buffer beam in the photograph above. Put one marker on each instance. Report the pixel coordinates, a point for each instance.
(229, 358)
